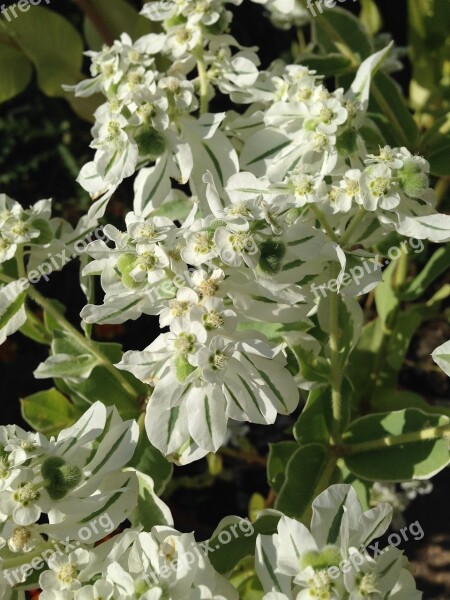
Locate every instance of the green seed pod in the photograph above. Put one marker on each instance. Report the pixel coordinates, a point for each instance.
(183, 368)
(413, 181)
(328, 557)
(151, 143)
(125, 264)
(272, 253)
(60, 476)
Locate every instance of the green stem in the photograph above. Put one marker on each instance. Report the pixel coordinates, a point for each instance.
(432, 433)
(83, 341)
(90, 346)
(203, 77)
(346, 238)
(324, 222)
(335, 364)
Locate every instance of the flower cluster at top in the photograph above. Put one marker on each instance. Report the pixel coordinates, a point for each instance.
(283, 198)
(50, 488)
(330, 561)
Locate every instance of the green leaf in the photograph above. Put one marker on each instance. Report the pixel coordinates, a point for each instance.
(370, 16)
(150, 509)
(148, 460)
(279, 455)
(437, 265)
(49, 412)
(242, 539)
(53, 45)
(339, 29)
(313, 423)
(391, 113)
(415, 458)
(401, 399)
(16, 72)
(435, 147)
(303, 474)
(385, 296)
(66, 366)
(332, 64)
(117, 17)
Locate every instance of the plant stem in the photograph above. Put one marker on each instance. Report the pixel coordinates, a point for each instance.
(83, 341)
(244, 456)
(48, 307)
(346, 238)
(203, 77)
(324, 222)
(336, 374)
(432, 433)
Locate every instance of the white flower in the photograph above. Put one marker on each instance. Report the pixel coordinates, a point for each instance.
(64, 571)
(330, 560)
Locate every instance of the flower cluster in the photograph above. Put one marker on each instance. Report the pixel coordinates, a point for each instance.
(280, 196)
(329, 560)
(149, 566)
(68, 480)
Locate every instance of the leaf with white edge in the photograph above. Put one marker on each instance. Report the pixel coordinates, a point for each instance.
(12, 310)
(116, 448)
(266, 567)
(441, 357)
(360, 88)
(109, 507)
(435, 228)
(66, 366)
(213, 153)
(260, 150)
(151, 187)
(150, 509)
(397, 446)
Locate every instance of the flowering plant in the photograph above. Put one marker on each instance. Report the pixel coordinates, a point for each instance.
(255, 235)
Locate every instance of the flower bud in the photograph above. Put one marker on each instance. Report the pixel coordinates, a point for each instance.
(272, 253)
(125, 264)
(413, 181)
(60, 477)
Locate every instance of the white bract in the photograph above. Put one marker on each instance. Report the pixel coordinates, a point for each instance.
(70, 480)
(330, 560)
(163, 563)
